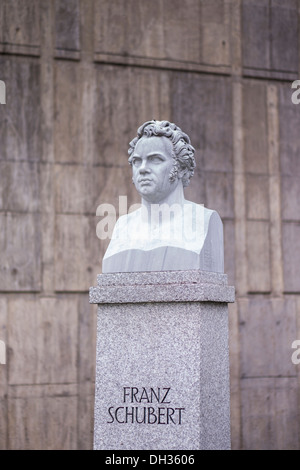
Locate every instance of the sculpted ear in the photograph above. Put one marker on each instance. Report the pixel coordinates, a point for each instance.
(181, 173)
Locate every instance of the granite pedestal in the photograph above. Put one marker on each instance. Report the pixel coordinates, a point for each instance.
(162, 373)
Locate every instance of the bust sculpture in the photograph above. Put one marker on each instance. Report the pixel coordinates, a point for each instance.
(167, 232)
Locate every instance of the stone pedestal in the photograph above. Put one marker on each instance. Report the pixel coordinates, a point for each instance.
(162, 377)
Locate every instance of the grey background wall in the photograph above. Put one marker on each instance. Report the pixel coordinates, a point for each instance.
(81, 76)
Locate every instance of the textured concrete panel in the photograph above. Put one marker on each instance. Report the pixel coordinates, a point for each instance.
(256, 45)
(129, 96)
(67, 124)
(255, 127)
(113, 185)
(212, 11)
(268, 327)
(285, 327)
(20, 136)
(193, 31)
(110, 27)
(19, 22)
(67, 25)
(290, 190)
(257, 197)
(145, 31)
(216, 42)
(78, 252)
(219, 193)
(43, 417)
(20, 248)
(182, 23)
(48, 226)
(215, 34)
(74, 188)
(284, 34)
(19, 186)
(258, 254)
(270, 35)
(269, 420)
(43, 340)
(81, 189)
(196, 103)
(196, 189)
(289, 124)
(85, 416)
(291, 256)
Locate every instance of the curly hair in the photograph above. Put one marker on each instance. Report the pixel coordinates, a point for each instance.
(183, 151)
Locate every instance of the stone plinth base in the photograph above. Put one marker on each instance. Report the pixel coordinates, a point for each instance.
(162, 379)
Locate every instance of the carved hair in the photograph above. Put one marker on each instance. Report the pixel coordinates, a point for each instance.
(183, 151)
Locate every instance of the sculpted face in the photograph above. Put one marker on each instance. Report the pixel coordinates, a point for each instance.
(152, 162)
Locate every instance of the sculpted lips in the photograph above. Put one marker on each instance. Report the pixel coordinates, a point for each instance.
(144, 181)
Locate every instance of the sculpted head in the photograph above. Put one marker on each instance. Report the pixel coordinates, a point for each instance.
(161, 157)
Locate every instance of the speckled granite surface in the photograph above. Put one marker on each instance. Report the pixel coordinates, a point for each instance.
(162, 379)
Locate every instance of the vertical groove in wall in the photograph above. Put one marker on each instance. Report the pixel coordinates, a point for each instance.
(239, 193)
(87, 82)
(240, 222)
(47, 158)
(87, 116)
(274, 192)
(236, 37)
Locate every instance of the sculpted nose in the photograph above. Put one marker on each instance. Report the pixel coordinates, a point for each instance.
(144, 168)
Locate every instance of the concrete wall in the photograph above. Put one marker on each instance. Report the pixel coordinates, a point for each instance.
(80, 77)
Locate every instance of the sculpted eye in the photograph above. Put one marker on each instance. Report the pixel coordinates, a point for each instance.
(155, 159)
(136, 161)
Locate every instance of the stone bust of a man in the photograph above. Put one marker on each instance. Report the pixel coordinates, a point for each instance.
(167, 232)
